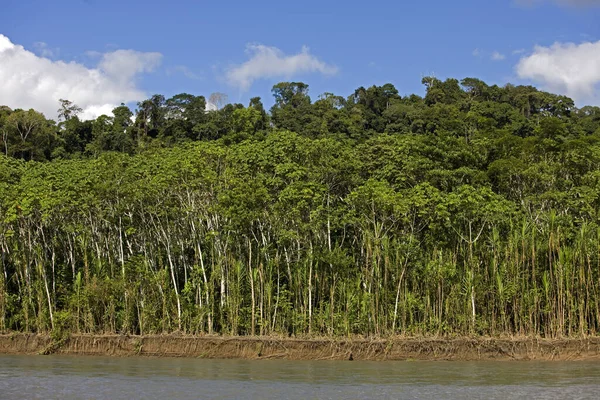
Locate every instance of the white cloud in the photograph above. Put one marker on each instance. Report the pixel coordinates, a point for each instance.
(476, 53)
(95, 111)
(567, 68)
(124, 65)
(31, 81)
(5, 44)
(496, 56)
(270, 62)
(93, 54)
(45, 51)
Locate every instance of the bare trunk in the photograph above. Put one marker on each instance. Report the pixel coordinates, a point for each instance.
(175, 287)
(310, 272)
(398, 297)
(253, 319)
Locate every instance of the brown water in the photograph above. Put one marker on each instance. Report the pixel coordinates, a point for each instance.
(66, 377)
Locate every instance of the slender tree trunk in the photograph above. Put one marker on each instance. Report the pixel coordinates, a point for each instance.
(172, 267)
(310, 288)
(253, 299)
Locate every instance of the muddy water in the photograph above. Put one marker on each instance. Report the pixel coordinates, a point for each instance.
(78, 377)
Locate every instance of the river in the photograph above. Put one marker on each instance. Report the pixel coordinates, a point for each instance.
(80, 377)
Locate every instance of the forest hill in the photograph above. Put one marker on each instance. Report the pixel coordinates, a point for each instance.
(470, 211)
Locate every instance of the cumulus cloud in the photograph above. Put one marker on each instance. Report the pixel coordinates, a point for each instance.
(270, 62)
(567, 68)
(124, 65)
(497, 56)
(45, 51)
(94, 111)
(31, 81)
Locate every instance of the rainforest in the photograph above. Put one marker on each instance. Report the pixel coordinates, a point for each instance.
(470, 211)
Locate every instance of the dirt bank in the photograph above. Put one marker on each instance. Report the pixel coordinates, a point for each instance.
(313, 349)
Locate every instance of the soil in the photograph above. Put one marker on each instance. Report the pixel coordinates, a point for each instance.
(464, 349)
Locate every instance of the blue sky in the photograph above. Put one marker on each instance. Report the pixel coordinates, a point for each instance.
(75, 48)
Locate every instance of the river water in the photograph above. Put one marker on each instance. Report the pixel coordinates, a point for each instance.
(78, 377)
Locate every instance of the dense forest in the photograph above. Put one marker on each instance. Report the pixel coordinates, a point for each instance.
(473, 210)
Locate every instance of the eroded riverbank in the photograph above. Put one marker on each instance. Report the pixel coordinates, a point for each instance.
(464, 349)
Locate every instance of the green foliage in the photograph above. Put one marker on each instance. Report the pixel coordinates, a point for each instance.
(473, 210)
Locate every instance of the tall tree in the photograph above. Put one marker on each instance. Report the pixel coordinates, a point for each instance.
(68, 110)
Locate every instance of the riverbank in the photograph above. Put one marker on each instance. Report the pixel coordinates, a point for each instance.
(463, 349)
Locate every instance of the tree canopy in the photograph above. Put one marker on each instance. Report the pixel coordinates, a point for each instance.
(472, 210)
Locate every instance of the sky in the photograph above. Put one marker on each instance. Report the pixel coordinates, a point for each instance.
(100, 53)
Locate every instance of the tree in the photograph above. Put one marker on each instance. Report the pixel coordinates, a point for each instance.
(246, 120)
(292, 106)
(447, 92)
(122, 117)
(68, 110)
(150, 118)
(75, 135)
(294, 94)
(186, 106)
(32, 136)
(473, 210)
(5, 128)
(257, 104)
(218, 100)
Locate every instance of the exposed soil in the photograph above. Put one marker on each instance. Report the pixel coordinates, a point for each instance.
(307, 349)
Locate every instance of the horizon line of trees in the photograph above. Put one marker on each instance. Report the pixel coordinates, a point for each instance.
(450, 106)
(474, 210)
